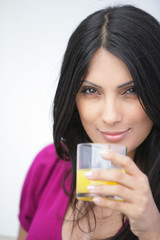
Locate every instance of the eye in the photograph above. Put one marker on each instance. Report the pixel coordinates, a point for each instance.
(130, 90)
(89, 91)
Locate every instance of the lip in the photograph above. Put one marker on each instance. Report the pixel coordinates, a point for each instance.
(114, 136)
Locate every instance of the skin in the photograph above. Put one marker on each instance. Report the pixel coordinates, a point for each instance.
(107, 102)
(110, 112)
(22, 234)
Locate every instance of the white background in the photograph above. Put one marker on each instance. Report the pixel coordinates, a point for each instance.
(33, 38)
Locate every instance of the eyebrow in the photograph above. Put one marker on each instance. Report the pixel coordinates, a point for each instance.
(125, 84)
(92, 84)
(119, 86)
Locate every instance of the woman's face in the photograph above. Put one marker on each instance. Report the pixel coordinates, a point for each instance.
(108, 106)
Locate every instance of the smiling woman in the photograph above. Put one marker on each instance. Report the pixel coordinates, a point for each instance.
(108, 105)
(108, 92)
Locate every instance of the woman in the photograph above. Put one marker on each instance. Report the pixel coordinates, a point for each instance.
(108, 92)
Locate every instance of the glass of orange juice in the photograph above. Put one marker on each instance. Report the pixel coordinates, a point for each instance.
(89, 158)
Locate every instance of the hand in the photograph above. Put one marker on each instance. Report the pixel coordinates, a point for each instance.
(133, 187)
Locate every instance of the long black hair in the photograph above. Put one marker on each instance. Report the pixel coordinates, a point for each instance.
(132, 35)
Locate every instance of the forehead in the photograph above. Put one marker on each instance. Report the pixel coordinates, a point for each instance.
(105, 65)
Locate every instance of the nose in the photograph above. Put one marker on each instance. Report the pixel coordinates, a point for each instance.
(111, 111)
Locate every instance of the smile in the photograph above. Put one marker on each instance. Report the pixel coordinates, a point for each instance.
(114, 136)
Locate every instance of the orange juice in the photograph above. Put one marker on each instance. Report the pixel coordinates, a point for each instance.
(82, 183)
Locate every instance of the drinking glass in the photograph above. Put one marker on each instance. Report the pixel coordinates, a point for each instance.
(89, 158)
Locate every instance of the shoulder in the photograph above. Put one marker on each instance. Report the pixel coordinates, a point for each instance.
(46, 172)
(48, 151)
(46, 160)
(45, 164)
(47, 156)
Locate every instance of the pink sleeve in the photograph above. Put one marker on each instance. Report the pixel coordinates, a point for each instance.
(35, 182)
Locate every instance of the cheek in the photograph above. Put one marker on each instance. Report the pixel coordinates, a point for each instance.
(142, 121)
(142, 116)
(87, 115)
(146, 126)
(136, 112)
(86, 111)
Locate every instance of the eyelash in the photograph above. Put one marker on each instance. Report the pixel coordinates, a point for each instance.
(133, 92)
(86, 91)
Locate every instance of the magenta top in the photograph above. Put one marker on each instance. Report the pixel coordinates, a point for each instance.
(43, 202)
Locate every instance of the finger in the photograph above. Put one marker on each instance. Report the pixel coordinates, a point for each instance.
(114, 190)
(127, 163)
(112, 175)
(126, 208)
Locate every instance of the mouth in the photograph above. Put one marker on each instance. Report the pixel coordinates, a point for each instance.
(114, 136)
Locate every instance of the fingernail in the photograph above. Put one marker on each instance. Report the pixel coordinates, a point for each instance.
(91, 187)
(96, 200)
(105, 154)
(88, 174)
